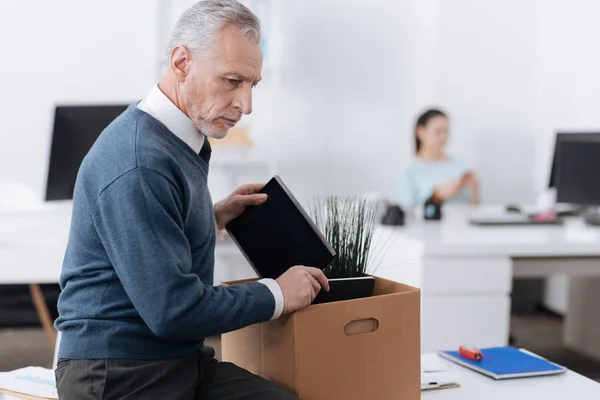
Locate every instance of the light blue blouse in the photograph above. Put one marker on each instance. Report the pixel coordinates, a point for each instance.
(419, 178)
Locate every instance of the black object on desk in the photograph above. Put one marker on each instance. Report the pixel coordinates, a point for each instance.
(393, 216)
(576, 173)
(512, 220)
(567, 137)
(432, 210)
(76, 128)
(346, 289)
(574, 212)
(592, 219)
(512, 208)
(278, 234)
(576, 176)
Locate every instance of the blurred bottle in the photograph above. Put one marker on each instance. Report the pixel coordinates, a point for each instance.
(432, 210)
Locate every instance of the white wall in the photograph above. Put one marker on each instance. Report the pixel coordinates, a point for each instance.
(568, 79)
(378, 63)
(371, 59)
(290, 114)
(568, 90)
(343, 85)
(67, 52)
(486, 55)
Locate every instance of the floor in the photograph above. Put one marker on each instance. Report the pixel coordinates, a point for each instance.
(540, 333)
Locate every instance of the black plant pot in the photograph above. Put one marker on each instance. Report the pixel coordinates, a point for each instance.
(346, 289)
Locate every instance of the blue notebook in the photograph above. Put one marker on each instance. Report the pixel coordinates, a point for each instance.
(506, 363)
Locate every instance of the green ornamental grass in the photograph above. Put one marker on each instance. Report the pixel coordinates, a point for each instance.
(348, 223)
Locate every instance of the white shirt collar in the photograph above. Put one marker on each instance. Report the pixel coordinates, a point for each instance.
(158, 105)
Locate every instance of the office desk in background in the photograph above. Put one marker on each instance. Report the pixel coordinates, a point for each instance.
(465, 273)
(33, 243)
(474, 386)
(32, 247)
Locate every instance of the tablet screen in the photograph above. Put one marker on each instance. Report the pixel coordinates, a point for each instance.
(279, 234)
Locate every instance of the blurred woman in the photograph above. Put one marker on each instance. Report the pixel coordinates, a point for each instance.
(433, 174)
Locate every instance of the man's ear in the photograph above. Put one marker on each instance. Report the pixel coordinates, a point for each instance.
(181, 58)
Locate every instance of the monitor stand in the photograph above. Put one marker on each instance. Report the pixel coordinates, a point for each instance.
(569, 210)
(591, 216)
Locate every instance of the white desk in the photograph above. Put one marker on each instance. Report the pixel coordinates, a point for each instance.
(32, 247)
(476, 386)
(465, 273)
(33, 241)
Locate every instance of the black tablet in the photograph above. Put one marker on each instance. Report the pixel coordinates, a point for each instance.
(279, 234)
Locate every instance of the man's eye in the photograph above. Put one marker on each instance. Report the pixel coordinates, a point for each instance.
(233, 82)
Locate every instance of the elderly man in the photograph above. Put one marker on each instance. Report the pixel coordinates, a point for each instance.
(138, 296)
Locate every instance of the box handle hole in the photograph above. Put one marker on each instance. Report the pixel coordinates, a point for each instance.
(361, 327)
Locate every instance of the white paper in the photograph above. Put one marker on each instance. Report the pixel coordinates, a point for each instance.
(431, 380)
(436, 372)
(433, 363)
(34, 381)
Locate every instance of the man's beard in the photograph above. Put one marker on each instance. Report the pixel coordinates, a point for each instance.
(207, 125)
(210, 129)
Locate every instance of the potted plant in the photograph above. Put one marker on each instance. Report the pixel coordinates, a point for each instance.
(348, 224)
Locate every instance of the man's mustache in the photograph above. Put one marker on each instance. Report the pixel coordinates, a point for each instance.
(235, 117)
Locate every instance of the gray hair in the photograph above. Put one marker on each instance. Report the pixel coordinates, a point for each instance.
(199, 25)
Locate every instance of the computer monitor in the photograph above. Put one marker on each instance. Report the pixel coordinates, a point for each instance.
(578, 163)
(76, 128)
(563, 137)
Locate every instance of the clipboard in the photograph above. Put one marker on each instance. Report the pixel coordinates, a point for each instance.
(436, 374)
(23, 396)
(430, 388)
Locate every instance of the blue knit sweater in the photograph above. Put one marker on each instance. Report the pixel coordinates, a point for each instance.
(137, 276)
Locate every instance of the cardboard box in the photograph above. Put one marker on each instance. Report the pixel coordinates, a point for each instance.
(352, 350)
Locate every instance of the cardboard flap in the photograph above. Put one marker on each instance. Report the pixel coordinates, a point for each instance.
(384, 286)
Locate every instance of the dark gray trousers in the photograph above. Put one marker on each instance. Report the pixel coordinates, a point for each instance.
(197, 376)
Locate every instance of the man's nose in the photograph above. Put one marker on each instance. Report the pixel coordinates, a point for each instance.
(243, 101)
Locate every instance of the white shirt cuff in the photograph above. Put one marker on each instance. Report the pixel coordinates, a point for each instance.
(277, 293)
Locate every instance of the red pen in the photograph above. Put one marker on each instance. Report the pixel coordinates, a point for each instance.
(470, 354)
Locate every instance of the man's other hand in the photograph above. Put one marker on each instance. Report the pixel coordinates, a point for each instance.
(232, 206)
(300, 285)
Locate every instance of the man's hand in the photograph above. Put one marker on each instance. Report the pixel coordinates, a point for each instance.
(300, 285)
(232, 206)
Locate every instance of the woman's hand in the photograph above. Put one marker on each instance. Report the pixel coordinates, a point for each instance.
(447, 190)
(452, 187)
(469, 180)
